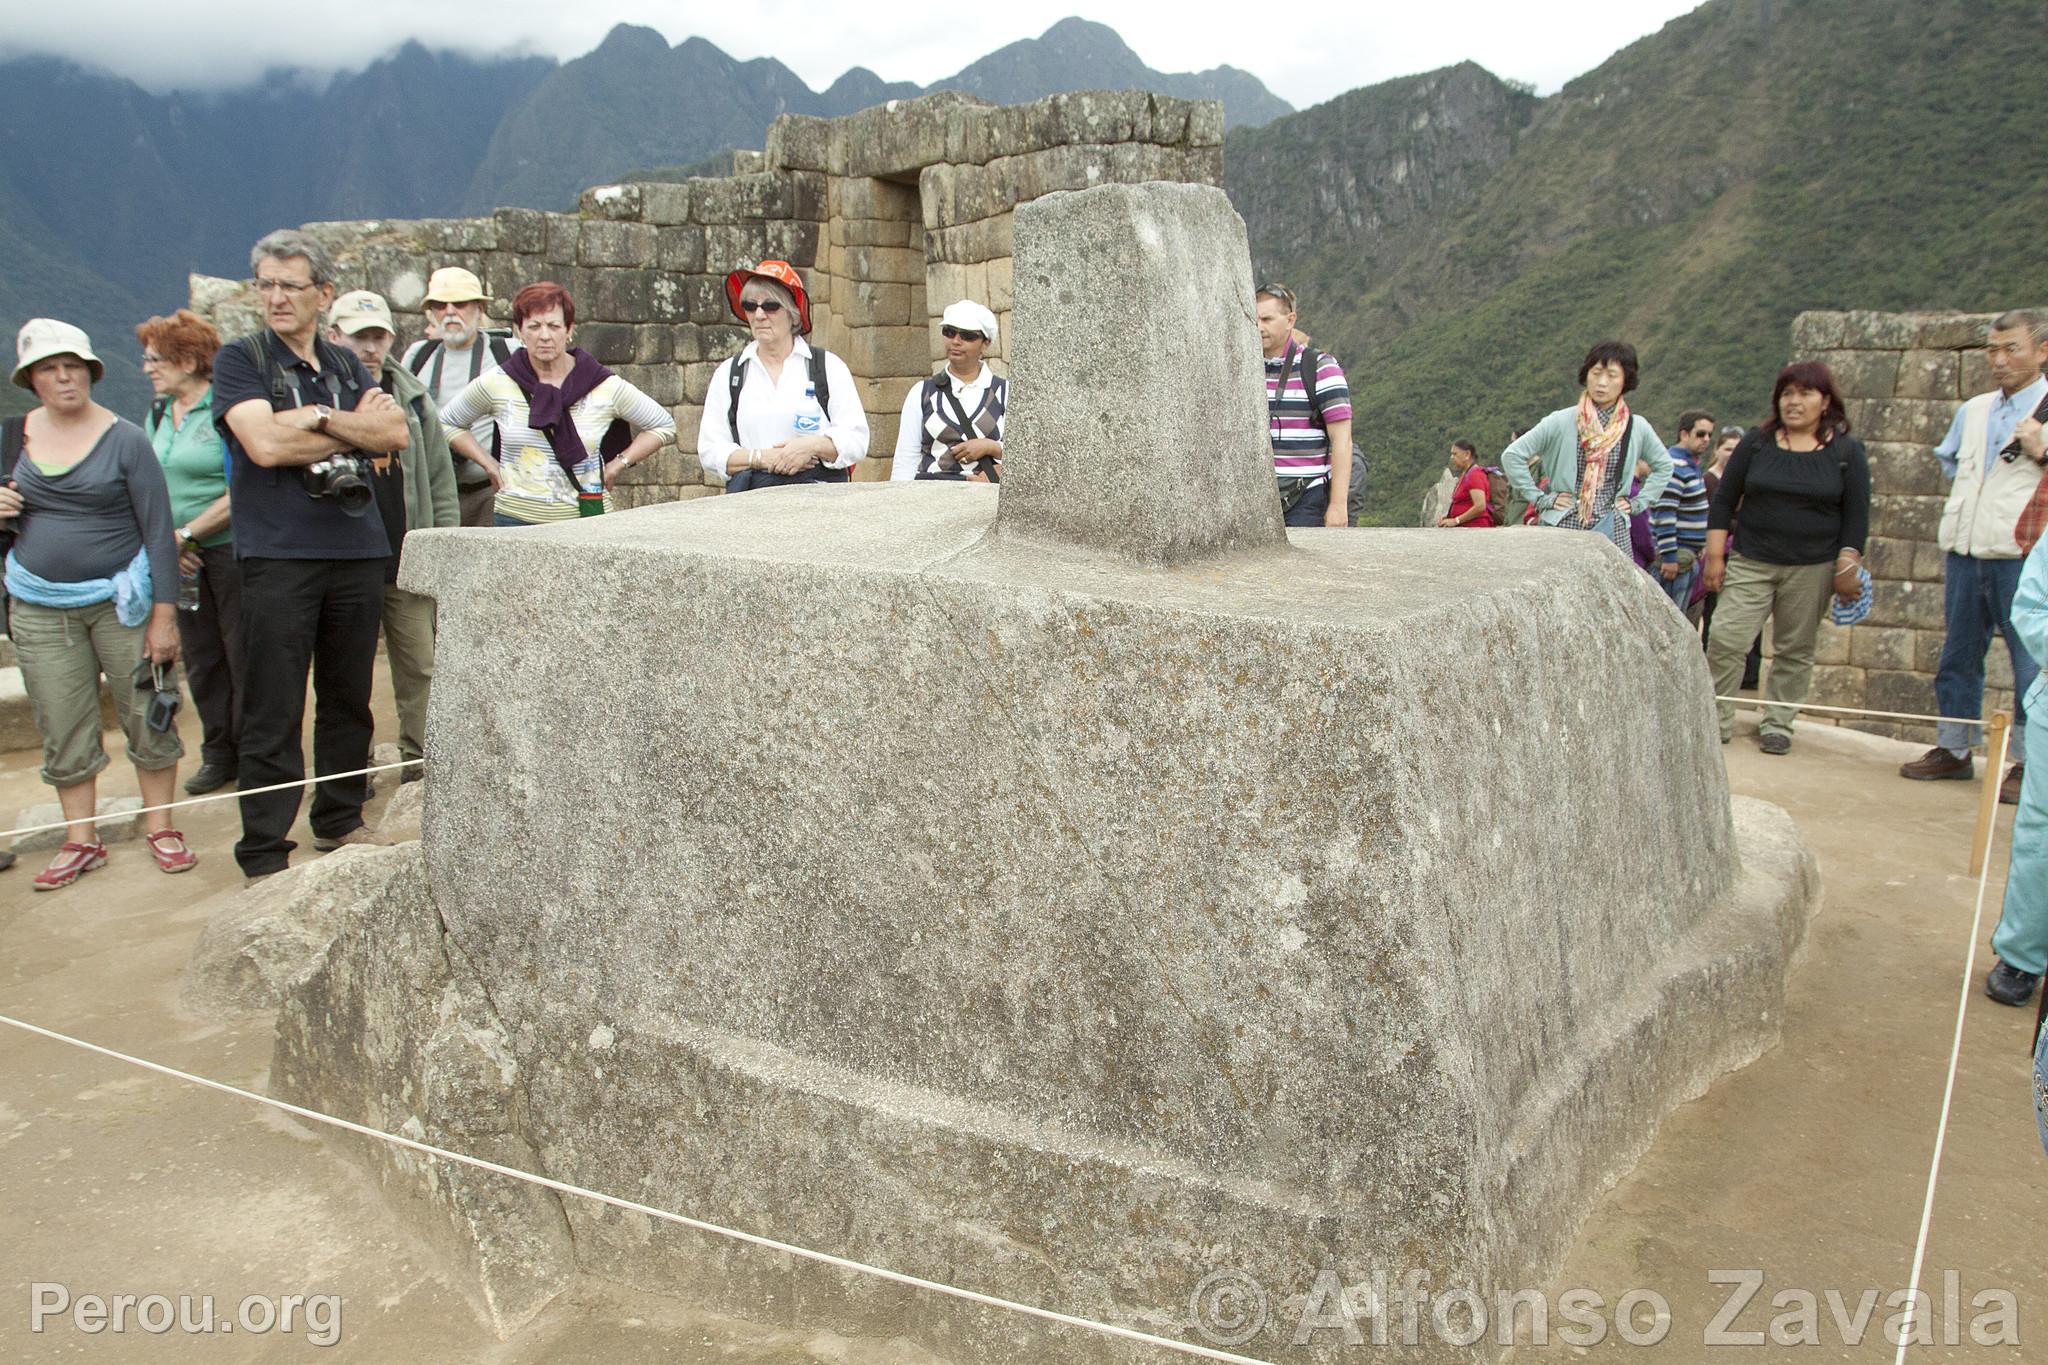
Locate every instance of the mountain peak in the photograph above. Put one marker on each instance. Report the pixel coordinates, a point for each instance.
(630, 38)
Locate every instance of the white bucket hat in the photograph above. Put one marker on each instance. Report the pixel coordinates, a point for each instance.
(361, 308)
(969, 316)
(41, 338)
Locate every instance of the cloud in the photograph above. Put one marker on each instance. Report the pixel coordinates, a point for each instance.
(1305, 55)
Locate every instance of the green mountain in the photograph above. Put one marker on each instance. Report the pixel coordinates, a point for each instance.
(1753, 159)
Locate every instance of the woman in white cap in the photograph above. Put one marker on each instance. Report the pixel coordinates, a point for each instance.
(92, 588)
(952, 424)
(767, 420)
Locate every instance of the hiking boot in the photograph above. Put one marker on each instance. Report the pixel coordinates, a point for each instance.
(2008, 985)
(211, 777)
(1775, 743)
(1938, 764)
(361, 834)
(2009, 790)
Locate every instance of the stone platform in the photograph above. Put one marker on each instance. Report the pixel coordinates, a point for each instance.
(1024, 906)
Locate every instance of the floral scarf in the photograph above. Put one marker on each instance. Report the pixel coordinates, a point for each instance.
(1597, 443)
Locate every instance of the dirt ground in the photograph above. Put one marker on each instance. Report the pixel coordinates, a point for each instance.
(1806, 1169)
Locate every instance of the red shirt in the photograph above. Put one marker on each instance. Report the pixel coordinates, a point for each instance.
(1471, 492)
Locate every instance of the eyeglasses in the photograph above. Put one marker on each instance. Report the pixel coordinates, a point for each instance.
(769, 307)
(149, 360)
(1278, 291)
(290, 289)
(952, 333)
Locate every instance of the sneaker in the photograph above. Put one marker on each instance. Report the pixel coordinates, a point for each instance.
(1775, 743)
(211, 777)
(2008, 985)
(72, 862)
(1938, 764)
(361, 834)
(2009, 790)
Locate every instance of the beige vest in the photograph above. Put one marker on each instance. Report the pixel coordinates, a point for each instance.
(1983, 513)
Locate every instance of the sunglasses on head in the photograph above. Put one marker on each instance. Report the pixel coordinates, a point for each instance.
(1277, 291)
(950, 333)
(768, 306)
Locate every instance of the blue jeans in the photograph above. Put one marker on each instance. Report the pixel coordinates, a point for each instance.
(1311, 508)
(1679, 589)
(1979, 601)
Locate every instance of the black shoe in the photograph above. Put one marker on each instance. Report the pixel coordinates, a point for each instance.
(6, 859)
(211, 777)
(2009, 985)
(406, 775)
(1775, 743)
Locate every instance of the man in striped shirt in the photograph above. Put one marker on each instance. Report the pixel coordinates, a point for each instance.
(1311, 436)
(1679, 519)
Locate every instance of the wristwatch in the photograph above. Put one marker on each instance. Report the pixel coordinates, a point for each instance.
(185, 536)
(325, 412)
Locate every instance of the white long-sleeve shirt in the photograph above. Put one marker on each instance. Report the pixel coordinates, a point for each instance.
(768, 409)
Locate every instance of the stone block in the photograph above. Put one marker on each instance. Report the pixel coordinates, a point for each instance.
(118, 823)
(425, 1054)
(961, 194)
(870, 305)
(1865, 374)
(654, 344)
(1952, 331)
(746, 161)
(616, 295)
(1830, 646)
(1917, 606)
(524, 231)
(1205, 123)
(970, 243)
(400, 820)
(1906, 518)
(1930, 562)
(679, 250)
(1814, 332)
(689, 422)
(666, 205)
(874, 469)
(563, 232)
(946, 282)
(1904, 469)
(1864, 330)
(1927, 650)
(437, 235)
(612, 343)
(693, 341)
(1000, 294)
(898, 139)
(1879, 647)
(1976, 373)
(1836, 685)
(742, 198)
(1889, 558)
(883, 264)
(1114, 286)
(793, 241)
(799, 142)
(697, 380)
(705, 296)
(1203, 166)
(662, 383)
(888, 352)
(504, 276)
(398, 274)
(619, 203)
(1931, 374)
(1898, 690)
(864, 197)
(877, 232)
(1911, 421)
(668, 465)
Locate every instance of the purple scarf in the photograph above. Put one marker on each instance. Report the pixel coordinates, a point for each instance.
(550, 404)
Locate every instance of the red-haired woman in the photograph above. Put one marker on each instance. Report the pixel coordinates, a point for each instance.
(1797, 489)
(567, 426)
(177, 355)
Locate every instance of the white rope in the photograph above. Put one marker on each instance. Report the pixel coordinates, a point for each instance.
(121, 815)
(577, 1191)
(1948, 1094)
(1854, 711)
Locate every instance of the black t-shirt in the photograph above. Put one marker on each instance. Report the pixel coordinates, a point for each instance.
(1794, 506)
(274, 516)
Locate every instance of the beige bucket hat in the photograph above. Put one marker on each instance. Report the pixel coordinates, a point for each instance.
(453, 284)
(41, 338)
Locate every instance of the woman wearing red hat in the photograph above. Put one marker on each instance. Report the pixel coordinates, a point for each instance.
(767, 420)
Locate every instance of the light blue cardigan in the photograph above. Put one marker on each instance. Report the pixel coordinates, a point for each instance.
(1555, 441)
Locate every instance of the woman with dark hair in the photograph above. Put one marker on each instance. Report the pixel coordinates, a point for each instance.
(567, 426)
(1797, 491)
(1585, 455)
(177, 355)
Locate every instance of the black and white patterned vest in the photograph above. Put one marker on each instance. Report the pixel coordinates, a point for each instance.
(947, 423)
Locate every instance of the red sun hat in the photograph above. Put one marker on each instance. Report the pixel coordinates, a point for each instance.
(784, 274)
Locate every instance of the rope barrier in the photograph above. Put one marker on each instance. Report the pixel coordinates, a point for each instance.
(697, 1224)
(1855, 711)
(1948, 1094)
(119, 816)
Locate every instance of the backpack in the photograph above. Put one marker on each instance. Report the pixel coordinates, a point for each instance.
(501, 351)
(1354, 499)
(1496, 493)
(761, 478)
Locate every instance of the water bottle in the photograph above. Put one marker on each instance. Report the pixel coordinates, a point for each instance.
(590, 496)
(810, 418)
(188, 590)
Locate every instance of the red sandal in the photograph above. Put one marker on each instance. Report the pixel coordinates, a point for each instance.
(72, 862)
(169, 849)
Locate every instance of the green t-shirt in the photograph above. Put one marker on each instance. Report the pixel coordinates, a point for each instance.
(195, 463)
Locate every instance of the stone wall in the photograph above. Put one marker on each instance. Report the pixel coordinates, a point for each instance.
(1902, 376)
(890, 213)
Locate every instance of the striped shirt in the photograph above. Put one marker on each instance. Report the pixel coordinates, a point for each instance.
(536, 488)
(1679, 520)
(1301, 445)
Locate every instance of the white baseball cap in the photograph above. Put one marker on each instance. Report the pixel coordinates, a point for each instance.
(969, 316)
(41, 338)
(360, 309)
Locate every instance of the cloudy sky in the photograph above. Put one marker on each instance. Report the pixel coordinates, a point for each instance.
(208, 43)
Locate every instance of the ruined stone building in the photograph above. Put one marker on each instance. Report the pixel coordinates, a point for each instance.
(891, 214)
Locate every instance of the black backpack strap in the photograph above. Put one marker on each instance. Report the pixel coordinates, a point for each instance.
(11, 432)
(157, 409)
(1310, 364)
(737, 380)
(501, 349)
(425, 353)
(820, 380)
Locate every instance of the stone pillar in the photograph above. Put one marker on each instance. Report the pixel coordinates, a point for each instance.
(1138, 425)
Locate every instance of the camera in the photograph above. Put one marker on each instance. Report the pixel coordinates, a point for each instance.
(343, 477)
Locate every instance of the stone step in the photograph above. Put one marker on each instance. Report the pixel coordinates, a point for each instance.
(111, 830)
(18, 718)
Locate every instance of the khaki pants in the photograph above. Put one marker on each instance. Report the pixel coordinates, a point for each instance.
(409, 646)
(1793, 597)
(63, 651)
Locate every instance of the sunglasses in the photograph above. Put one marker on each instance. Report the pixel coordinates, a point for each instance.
(952, 333)
(1278, 291)
(770, 307)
